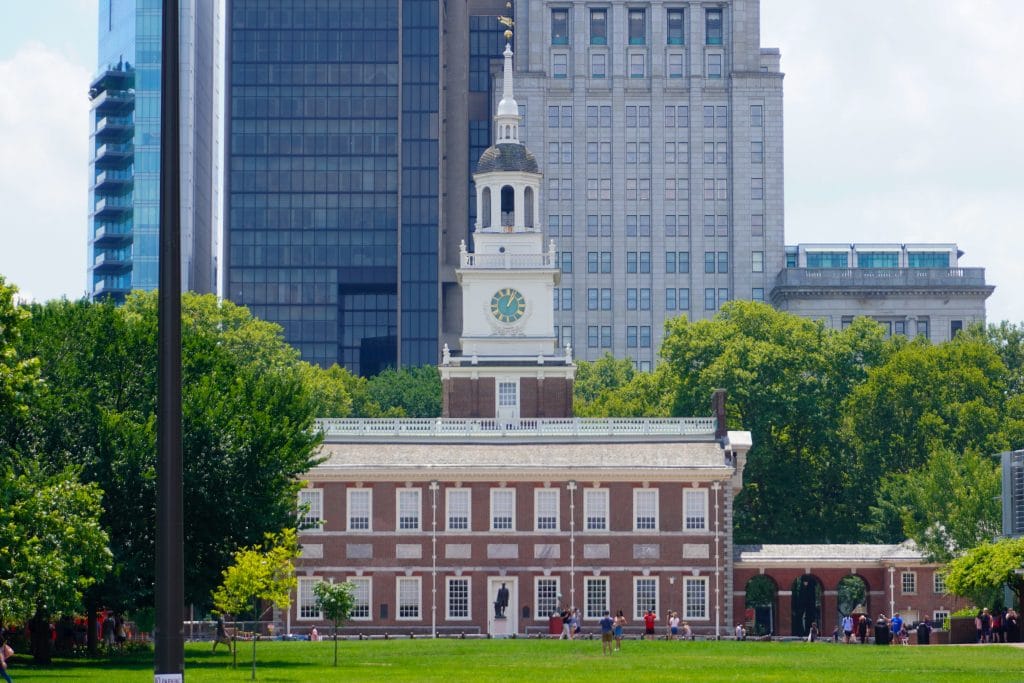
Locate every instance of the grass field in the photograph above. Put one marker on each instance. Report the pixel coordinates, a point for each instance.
(545, 660)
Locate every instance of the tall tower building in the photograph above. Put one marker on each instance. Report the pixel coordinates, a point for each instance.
(658, 127)
(333, 175)
(125, 135)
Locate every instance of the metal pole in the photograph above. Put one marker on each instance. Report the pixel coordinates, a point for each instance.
(169, 659)
(433, 561)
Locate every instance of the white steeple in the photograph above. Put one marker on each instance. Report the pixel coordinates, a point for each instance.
(506, 121)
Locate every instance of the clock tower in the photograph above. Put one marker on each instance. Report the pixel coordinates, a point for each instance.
(509, 367)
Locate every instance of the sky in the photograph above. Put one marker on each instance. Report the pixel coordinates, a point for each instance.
(904, 122)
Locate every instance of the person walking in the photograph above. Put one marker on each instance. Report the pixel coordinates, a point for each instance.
(220, 634)
(607, 624)
(620, 622)
(847, 628)
(5, 653)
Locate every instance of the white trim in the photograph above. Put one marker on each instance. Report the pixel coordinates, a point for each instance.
(368, 580)
(903, 577)
(448, 506)
(304, 589)
(348, 510)
(637, 493)
(537, 614)
(313, 522)
(587, 495)
(707, 612)
(537, 493)
(638, 613)
(511, 491)
(587, 581)
(418, 581)
(447, 598)
(938, 576)
(399, 495)
(687, 493)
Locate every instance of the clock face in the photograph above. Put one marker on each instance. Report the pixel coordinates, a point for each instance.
(508, 305)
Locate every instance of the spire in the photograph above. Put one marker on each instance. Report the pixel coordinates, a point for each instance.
(506, 120)
(508, 105)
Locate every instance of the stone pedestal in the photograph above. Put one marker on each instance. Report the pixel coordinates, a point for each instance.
(500, 627)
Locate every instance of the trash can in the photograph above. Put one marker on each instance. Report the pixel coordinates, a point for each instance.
(555, 625)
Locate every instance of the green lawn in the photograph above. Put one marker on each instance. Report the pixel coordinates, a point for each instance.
(534, 660)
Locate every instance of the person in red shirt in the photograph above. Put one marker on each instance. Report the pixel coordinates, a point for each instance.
(650, 619)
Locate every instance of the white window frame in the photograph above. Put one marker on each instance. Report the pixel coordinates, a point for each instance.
(681, 56)
(306, 607)
(539, 614)
(542, 493)
(939, 583)
(448, 598)
(406, 493)
(687, 614)
(559, 59)
(689, 493)
(500, 492)
(364, 581)
(448, 494)
(416, 581)
(904, 576)
(637, 494)
(589, 581)
(940, 614)
(638, 611)
(314, 519)
(588, 496)
(369, 510)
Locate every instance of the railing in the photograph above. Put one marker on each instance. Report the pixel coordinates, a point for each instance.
(507, 260)
(441, 428)
(880, 277)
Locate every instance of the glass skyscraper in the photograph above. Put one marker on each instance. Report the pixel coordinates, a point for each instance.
(333, 175)
(125, 132)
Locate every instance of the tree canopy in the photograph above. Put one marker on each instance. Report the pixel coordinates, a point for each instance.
(982, 571)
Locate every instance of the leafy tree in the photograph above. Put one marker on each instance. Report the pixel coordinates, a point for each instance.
(336, 601)
(982, 571)
(611, 387)
(409, 392)
(19, 375)
(261, 572)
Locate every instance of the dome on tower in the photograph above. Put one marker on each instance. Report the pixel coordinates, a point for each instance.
(507, 157)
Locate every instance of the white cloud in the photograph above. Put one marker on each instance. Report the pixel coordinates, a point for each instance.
(903, 123)
(44, 138)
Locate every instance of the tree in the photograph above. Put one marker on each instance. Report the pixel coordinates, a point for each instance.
(19, 375)
(261, 572)
(335, 601)
(611, 387)
(409, 392)
(982, 571)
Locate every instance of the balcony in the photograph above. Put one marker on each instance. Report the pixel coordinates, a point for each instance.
(114, 155)
(115, 288)
(112, 235)
(111, 262)
(114, 181)
(874, 278)
(112, 208)
(121, 78)
(115, 128)
(113, 102)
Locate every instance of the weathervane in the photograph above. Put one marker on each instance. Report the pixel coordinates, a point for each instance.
(508, 22)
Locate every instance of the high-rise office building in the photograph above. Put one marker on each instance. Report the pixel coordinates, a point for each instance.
(333, 175)
(658, 126)
(125, 164)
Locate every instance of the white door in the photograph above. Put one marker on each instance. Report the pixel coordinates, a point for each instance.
(510, 624)
(508, 401)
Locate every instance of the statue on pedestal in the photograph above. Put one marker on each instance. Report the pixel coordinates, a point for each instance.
(501, 602)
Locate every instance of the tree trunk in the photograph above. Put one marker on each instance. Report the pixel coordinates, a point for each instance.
(91, 639)
(39, 643)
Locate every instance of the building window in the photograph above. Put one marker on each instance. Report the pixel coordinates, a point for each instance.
(670, 259)
(955, 327)
(713, 26)
(645, 261)
(908, 583)
(714, 65)
(757, 294)
(675, 27)
(595, 509)
(709, 261)
(592, 301)
(592, 339)
(591, 261)
(695, 509)
(546, 598)
(631, 299)
(939, 583)
(723, 296)
(684, 299)
(595, 588)
(606, 299)
(407, 590)
(928, 259)
(457, 607)
(567, 262)
(756, 116)
(408, 504)
(709, 116)
(606, 261)
(757, 188)
(645, 302)
(560, 26)
(645, 596)
(757, 225)
(545, 504)
(598, 65)
(359, 506)
(457, 503)
(566, 337)
(695, 595)
(645, 334)
(721, 116)
(606, 336)
(637, 27)
(631, 337)
(311, 506)
(756, 152)
(308, 607)
(598, 27)
(922, 329)
(684, 261)
(670, 299)
(630, 261)
(939, 616)
(709, 158)
(566, 298)
(722, 156)
(553, 117)
(645, 509)
(878, 259)
(757, 261)
(675, 65)
(636, 65)
(559, 65)
(723, 262)
(360, 598)
(503, 509)
(827, 259)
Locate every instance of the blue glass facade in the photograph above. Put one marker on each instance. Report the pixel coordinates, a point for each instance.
(332, 175)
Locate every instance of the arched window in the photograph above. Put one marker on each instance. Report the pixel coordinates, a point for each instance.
(528, 207)
(485, 208)
(508, 206)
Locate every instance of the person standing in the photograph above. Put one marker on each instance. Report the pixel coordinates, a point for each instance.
(862, 629)
(650, 619)
(812, 633)
(620, 622)
(607, 624)
(882, 630)
(924, 633)
(673, 625)
(566, 625)
(896, 628)
(847, 628)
